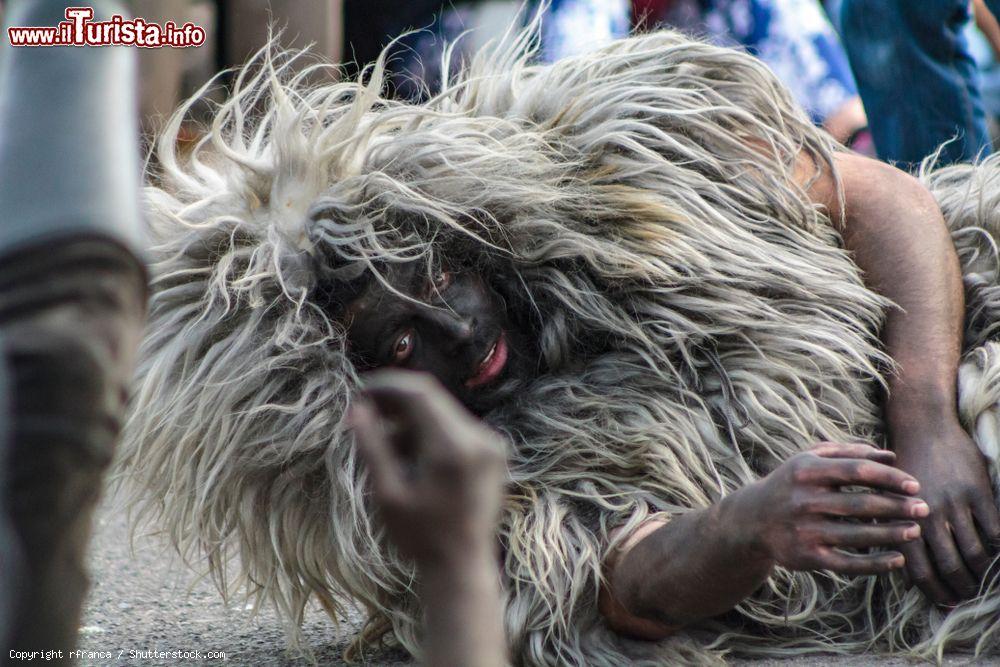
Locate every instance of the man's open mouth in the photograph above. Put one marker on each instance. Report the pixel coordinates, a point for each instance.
(492, 364)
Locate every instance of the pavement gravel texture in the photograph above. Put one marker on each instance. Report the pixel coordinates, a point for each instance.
(142, 601)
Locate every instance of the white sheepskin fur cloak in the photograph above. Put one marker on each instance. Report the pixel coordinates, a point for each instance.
(698, 319)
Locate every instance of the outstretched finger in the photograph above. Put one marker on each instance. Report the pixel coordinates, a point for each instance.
(861, 472)
(860, 564)
(853, 450)
(920, 571)
(975, 554)
(868, 506)
(947, 559)
(864, 535)
(988, 518)
(384, 466)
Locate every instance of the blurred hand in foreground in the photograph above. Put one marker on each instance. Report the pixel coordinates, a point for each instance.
(436, 475)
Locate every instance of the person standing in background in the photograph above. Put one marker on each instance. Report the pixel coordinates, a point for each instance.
(917, 78)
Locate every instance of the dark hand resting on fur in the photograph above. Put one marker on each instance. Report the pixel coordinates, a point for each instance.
(960, 535)
(436, 475)
(793, 517)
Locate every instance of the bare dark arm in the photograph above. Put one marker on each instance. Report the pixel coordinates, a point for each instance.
(684, 571)
(898, 237)
(681, 571)
(896, 233)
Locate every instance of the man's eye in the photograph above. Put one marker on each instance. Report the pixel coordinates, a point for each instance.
(403, 348)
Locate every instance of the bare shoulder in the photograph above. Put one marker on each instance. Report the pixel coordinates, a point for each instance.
(853, 180)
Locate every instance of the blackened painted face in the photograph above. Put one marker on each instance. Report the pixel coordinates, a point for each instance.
(453, 326)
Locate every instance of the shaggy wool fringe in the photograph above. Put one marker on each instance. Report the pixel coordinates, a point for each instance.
(699, 320)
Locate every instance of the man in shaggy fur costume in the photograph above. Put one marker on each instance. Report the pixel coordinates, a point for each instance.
(662, 239)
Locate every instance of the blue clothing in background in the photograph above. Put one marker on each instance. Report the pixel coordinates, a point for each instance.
(569, 27)
(917, 79)
(793, 37)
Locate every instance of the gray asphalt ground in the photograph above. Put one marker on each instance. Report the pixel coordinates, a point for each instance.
(141, 601)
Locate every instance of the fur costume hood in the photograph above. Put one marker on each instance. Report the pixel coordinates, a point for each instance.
(698, 322)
